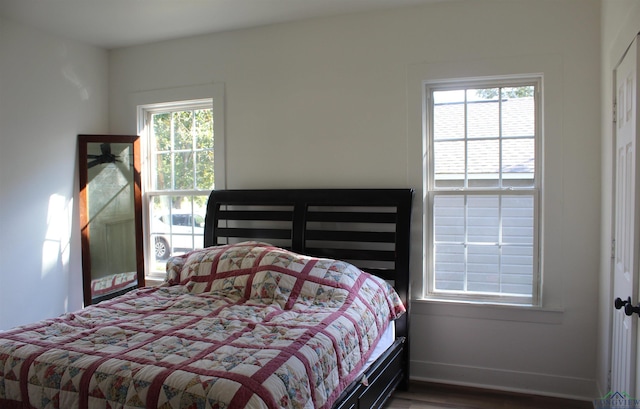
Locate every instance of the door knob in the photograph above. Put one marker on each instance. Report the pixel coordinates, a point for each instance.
(619, 303)
(629, 308)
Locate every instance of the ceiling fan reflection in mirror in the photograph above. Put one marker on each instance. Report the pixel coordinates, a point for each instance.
(105, 157)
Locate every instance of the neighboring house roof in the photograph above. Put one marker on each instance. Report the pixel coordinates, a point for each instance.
(483, 131)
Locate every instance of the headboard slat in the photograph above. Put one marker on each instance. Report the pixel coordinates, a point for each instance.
(360, 236)
(352, 255)
(351, 217)
(255, 215)
(249, 233)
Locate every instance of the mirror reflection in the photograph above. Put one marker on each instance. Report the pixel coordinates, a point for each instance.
(110, 216)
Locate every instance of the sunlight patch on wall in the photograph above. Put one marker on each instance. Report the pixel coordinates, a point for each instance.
(70, 73)
(57, 240)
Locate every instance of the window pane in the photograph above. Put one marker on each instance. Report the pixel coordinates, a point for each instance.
(483, 94)
(483, 113)
(517, 219)
(517, 269)
(484, 163)
(162, 132)
(183, 171)
(449, 166)
(518, 162)
(448, 97)
(483, 219)
(177, 225)
(204, 128)
(204, 170)
(483, 268)
(448, 121)
(518, 116)
(182, 130)
(163, 172)
(450, 267)
(448, 219)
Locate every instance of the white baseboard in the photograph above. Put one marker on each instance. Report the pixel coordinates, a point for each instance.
(506, 380)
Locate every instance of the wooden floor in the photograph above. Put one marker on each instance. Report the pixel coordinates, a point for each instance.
(438, 396)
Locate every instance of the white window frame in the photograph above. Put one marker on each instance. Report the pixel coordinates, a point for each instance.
(148, 103)
(431, 191)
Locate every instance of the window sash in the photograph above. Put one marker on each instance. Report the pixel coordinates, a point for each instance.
(468, 237)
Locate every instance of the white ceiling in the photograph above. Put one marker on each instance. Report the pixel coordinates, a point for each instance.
(120, 23)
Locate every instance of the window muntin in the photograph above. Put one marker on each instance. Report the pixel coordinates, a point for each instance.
(180, 149)
(483, 190)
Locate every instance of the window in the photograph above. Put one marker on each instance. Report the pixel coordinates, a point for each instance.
(180, 176)
(483, 189)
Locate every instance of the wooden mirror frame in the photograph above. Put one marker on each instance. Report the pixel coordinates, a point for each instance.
(107, 159)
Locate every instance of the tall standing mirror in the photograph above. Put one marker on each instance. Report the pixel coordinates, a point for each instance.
(110, 215)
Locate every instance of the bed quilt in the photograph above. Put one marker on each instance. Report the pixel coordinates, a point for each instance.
(238, 326)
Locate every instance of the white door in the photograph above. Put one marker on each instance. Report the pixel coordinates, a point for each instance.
(624, 337)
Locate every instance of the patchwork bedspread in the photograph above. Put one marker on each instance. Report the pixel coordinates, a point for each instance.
(239, 326)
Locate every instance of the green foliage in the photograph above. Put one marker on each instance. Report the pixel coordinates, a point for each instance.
(511, 92)
(183, 151)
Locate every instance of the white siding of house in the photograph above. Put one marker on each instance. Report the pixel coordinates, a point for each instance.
(490, 268)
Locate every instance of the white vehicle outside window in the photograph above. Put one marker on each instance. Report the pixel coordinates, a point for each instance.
(177, 231)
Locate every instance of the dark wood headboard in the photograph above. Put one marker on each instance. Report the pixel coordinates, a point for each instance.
(370, 228)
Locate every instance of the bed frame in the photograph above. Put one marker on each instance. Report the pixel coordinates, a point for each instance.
(369, 228)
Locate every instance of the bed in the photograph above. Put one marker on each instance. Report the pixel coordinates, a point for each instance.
(276, 311)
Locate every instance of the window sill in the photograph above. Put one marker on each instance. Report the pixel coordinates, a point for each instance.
(152, 280)
(487, 311)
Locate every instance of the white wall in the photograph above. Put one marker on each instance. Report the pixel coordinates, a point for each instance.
(620, 24)
(324, 103)
(50, 91)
